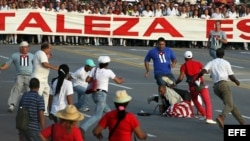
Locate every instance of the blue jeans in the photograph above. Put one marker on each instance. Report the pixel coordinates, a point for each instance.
(29, 135)
(82, 98)
(212, 53)
(101, 106)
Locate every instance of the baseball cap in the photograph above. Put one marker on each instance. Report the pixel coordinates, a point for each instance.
(188, 54)
(90, 62)
(104, 59)
(24, 44)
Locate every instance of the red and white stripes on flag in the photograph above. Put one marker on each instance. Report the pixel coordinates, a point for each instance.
(24, 60)
(182, 109)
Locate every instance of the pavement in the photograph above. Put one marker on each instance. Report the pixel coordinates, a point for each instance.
(128, 62)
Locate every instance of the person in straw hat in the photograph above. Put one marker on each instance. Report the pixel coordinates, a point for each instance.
(119, 121)
(66, 129)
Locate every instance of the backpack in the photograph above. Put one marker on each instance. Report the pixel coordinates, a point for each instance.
(22, 117)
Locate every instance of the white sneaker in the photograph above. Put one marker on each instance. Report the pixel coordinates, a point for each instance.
(202, 118)
(11, 108)
(210, 121)
(46, 114)
(84, 109)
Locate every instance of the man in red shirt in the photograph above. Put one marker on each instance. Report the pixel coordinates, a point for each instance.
(191, 68)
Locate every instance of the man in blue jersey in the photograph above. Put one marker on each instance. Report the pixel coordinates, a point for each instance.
(164, 60)
(23, 62)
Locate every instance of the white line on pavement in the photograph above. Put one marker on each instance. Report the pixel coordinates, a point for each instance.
(4, 57)
(246, 117)
(151, 135)
(237, 67)
(118, 85)
(245, 52)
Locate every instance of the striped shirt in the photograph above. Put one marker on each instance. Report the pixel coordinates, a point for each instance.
(34, 103)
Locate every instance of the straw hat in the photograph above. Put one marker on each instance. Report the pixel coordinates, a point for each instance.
(70, 113)
(122, 97)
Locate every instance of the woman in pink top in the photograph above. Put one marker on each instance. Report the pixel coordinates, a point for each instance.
(121, 124)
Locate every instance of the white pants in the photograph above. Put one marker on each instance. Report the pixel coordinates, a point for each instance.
(44, 92)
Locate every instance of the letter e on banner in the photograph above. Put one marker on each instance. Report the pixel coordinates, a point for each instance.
(90, 25)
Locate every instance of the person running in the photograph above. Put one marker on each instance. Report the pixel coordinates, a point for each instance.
(191, 68)
(221, 71)
(80, 85)
(102, 74)
(216, 39)
(164, 60)
(120, 122)
(23, 62)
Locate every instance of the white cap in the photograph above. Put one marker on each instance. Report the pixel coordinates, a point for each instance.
(24, 44)
(188, 54)
(176, 4)
(104, 59)
(130, 4)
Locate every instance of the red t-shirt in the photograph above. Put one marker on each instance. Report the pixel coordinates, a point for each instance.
(191, 68)
(60, 133)
(125, 128)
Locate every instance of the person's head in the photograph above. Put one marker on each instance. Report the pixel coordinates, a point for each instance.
(162, 89)
(89, 64)
(46, 47)
(24, 47)
(161, 43)
(217, 25)
(121, 101)
(220, 53)
(63, 73)
(188, 55)
(63, 70)
(34, 84)
(69, 117)
(103, 61)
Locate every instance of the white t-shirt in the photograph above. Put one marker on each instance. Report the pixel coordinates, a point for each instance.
(102, 75)
(59, 101)
(40, 72)
(220, 69)
(79, 77)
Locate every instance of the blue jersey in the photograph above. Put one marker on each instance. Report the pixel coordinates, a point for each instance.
(162, 60)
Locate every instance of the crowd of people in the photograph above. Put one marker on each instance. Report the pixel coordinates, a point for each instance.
(200, 9)
(56, 100)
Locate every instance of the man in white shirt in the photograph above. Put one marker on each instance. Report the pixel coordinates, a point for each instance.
(41, 71)
(80, 84)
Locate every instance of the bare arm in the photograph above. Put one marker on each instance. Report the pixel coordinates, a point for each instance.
(146, 64)
(42, 119)
(42, 138)
(4, 66)
(97, 132)
(232, 78)
(69, 99)
(48, 65)
(173, 63)
(140, 134)
(180, 78)
(118, 80)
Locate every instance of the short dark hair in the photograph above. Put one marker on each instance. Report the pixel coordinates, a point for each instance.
(34, 83)
(161, 39)
(45, 45)
(220, 52)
